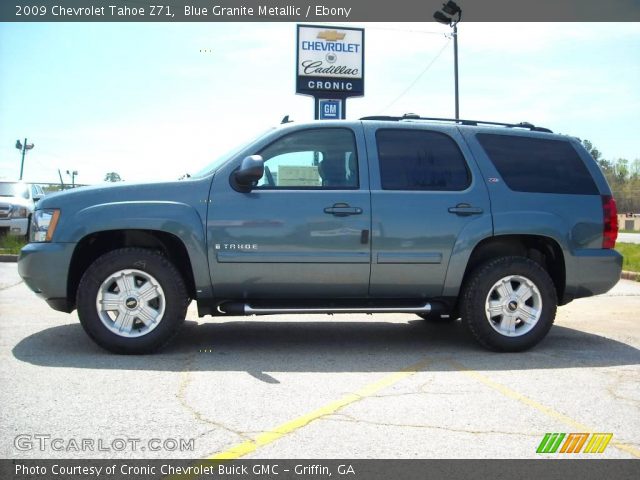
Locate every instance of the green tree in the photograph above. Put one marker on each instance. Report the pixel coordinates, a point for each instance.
(112, 177)
(623, 177)
(593, 151)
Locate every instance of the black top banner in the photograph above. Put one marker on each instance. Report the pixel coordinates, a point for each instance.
(315, 10)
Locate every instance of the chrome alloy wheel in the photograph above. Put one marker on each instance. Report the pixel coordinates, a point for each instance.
(130, 303)
(513, 306)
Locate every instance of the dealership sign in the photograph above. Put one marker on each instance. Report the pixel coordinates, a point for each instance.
(330, 61)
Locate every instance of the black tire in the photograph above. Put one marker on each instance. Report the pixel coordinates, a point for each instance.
(152, 263)
(479, 285)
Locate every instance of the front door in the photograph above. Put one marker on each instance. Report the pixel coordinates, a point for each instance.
(303, 231)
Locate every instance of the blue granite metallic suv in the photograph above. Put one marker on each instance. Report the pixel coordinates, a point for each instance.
(496, 224)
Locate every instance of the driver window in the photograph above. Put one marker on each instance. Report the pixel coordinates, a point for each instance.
(317, 158)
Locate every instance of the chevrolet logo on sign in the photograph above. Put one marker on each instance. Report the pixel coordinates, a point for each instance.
(331, 35)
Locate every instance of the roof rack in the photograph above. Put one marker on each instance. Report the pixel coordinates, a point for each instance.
(413, 116)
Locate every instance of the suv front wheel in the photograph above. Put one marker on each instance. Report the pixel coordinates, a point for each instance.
(509, 303)
(132, 300)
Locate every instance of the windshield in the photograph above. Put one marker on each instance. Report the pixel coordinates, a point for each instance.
(14, 190)
(221, 160)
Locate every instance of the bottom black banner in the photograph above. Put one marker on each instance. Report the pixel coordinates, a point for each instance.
(544, 469)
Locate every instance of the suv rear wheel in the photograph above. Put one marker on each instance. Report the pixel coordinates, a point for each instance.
(509, 303)
(132, 300)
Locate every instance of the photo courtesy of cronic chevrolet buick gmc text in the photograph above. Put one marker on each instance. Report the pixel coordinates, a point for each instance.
(496, 224)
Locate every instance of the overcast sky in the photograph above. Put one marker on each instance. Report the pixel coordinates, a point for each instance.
(153, 101)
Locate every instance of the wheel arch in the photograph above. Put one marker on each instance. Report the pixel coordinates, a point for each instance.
(96, 244)
(544, 250)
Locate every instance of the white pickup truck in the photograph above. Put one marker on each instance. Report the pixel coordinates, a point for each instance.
(17, 203)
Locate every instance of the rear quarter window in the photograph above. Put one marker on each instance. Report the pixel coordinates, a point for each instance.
(538, 165)
(420, 160)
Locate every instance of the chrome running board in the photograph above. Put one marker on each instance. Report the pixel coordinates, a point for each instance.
(246, 309)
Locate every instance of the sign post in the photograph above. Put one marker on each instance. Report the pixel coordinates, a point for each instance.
(330, 67)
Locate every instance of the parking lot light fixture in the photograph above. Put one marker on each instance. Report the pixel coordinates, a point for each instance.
(23, 147)
(451, 15)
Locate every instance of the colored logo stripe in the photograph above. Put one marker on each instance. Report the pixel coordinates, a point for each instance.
(574, 442)
(550, 443)
(598, 442)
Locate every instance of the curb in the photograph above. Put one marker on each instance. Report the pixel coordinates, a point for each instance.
(8, 258)
(630, 275)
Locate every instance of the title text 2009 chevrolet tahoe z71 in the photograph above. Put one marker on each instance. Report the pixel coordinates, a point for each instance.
(496, 225)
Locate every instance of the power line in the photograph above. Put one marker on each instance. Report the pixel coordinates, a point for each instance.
(419, 75)
(423, 32)
(368, 26)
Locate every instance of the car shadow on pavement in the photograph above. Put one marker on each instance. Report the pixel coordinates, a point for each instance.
(323, 346)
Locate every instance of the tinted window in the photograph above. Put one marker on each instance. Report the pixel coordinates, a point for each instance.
(538, 165)
(420, 160)
(318, 158)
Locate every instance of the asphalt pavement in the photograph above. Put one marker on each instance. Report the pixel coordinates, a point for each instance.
(351, 386)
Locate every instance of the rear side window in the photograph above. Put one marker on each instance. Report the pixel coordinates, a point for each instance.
(420, 160)
(538, 165)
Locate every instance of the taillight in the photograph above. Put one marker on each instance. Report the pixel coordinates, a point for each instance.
(610, 213)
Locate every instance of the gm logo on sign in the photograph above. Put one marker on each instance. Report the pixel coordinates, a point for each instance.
(574, 443)
(330, 109)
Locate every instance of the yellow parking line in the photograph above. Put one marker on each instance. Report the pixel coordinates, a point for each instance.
(271, 436)
(550, 412)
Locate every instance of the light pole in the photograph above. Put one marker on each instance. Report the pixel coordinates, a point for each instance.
(451, 16)
(73, 177)
(23, 147)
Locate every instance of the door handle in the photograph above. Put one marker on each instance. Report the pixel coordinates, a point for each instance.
(465, 209)
(342, 210)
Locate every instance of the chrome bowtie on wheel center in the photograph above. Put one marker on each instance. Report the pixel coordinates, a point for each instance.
(513, 306)
(130, 303)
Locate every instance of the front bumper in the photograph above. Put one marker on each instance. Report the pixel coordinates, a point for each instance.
(592, 272)
(44, 267)
(14, 226)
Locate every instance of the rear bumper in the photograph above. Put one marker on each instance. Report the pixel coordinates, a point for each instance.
(592, 272)
(44, 267)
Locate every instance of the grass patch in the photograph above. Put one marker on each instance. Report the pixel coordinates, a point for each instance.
(11, 244)
(631, 253)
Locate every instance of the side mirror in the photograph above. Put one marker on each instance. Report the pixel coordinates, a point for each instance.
(251, 170)
(37, 198)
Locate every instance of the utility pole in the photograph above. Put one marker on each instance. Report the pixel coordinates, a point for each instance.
(450, 15)
(455, 67)
(23, 147)
(61, 181)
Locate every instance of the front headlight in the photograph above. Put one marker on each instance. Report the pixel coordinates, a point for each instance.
(43, 224)
(19, 212)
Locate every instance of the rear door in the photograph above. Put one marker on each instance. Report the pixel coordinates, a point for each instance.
(426, 193)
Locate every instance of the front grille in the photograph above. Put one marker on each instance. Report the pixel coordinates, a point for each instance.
(5, 210)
